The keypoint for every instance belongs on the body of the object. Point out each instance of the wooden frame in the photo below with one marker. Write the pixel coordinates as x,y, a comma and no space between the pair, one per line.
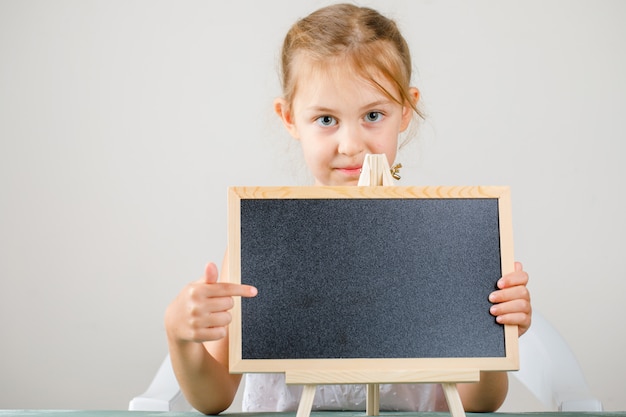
369,370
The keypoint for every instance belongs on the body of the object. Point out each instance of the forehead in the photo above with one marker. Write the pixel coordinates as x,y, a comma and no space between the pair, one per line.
339,74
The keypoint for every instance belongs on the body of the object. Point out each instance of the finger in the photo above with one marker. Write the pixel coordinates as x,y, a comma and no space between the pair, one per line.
511,318
514,319
220,319
517,278
206,325
522,321
210,273
228,289
513,305
218,304
225,289
210,319
509,294
207,334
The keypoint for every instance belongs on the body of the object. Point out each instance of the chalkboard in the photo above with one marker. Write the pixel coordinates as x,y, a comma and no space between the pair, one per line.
379,276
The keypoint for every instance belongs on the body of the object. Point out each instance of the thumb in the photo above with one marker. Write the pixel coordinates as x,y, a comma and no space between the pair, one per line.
210,273
518,266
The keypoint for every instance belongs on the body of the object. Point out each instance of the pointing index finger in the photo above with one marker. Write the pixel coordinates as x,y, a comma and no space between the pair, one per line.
228,289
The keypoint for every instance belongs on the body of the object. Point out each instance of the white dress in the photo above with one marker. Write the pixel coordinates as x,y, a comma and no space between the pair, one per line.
268,392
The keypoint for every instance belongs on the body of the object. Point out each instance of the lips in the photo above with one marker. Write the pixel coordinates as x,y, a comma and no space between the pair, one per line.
351,171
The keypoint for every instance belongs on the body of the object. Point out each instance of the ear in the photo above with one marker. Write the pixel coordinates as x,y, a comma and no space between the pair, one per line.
407,109
283,110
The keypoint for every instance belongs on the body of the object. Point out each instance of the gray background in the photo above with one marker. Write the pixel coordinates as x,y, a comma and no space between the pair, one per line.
123,122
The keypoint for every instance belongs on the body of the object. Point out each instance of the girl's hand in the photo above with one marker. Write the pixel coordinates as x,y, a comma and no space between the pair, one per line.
200,313
512,300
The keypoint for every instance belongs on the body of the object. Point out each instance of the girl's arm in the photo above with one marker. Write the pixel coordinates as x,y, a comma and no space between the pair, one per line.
196,324
202,373
511,306
486,395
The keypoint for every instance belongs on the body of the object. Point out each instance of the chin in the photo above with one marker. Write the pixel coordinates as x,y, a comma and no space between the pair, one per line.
351,183
339,181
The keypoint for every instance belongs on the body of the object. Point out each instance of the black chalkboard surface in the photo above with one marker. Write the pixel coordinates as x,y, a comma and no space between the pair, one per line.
381,274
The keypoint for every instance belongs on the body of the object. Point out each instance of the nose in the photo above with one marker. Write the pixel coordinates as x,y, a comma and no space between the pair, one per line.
350,141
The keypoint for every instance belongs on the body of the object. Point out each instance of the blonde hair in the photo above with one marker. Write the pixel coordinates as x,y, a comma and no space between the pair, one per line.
359,38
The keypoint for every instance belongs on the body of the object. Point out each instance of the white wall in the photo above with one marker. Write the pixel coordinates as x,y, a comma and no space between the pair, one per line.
123,122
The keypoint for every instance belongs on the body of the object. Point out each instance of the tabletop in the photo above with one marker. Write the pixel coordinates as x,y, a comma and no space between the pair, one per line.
125,413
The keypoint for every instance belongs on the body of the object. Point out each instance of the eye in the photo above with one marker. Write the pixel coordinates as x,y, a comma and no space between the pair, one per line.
373,116
326,121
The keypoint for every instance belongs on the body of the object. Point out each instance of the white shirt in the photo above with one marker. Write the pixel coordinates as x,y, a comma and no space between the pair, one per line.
269,392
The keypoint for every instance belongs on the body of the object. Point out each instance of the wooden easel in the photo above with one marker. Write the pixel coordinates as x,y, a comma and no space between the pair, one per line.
376,172
448,378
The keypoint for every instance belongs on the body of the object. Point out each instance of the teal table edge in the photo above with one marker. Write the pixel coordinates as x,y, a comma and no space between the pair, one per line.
126,413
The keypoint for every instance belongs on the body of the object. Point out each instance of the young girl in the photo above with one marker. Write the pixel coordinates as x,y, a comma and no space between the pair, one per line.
345,72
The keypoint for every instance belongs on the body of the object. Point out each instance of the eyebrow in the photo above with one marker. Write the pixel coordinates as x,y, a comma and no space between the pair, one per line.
323,109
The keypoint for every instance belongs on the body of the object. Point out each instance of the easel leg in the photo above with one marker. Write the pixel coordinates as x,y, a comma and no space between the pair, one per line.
306,401
454,400
372,405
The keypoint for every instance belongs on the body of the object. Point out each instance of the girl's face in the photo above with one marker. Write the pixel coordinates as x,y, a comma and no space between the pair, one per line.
338,119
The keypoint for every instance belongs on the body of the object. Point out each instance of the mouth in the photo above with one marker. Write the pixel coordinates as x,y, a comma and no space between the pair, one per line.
350,171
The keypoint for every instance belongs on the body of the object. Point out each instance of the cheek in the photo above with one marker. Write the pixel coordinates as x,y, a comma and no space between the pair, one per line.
388,146
391,155
314,153
316,145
